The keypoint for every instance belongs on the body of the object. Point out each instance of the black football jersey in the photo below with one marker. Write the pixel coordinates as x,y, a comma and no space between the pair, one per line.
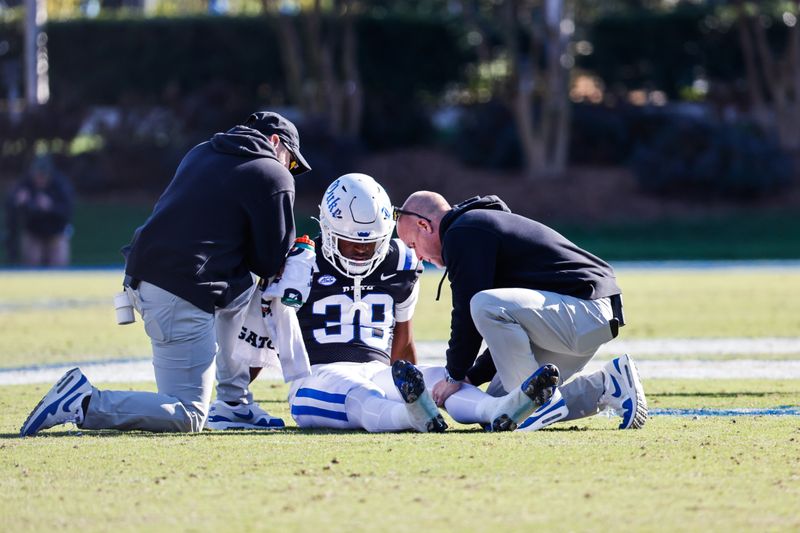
336,328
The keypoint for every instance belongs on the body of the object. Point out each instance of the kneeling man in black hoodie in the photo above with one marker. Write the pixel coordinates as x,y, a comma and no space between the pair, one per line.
533,296
226,215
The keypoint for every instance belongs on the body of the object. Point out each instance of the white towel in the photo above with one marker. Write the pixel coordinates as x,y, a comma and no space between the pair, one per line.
293,284
285,328
271,338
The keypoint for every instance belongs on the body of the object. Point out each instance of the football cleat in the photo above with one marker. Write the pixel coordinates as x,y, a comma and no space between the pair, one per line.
624,393
534,392
61,404
410,383
251,416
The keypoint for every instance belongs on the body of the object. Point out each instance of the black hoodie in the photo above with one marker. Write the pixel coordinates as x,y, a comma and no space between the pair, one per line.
227,212
485,246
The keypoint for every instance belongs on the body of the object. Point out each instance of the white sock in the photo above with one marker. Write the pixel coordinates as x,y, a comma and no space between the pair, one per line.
470,405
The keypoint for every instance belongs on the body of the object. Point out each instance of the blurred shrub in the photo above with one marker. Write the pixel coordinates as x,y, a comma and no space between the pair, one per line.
208,73
487,137
109,61
329,156
405,63
599,135
672,46
705,160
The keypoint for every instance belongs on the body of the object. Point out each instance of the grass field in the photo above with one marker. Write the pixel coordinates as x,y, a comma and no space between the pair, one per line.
713,474
678,473
68,316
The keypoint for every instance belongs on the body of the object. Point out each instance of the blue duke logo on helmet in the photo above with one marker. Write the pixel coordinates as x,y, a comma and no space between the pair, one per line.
332,200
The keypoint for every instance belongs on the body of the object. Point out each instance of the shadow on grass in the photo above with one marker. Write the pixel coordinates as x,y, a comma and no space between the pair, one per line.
294,431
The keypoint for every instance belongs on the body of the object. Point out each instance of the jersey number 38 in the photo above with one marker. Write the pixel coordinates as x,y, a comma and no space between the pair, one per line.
345,321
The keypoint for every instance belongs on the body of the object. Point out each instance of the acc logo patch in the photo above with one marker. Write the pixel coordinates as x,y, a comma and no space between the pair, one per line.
326,280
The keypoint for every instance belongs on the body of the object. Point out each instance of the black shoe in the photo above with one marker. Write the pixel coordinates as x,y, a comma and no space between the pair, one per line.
408,380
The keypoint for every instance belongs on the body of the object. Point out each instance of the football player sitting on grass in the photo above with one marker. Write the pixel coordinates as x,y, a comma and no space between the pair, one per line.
358,312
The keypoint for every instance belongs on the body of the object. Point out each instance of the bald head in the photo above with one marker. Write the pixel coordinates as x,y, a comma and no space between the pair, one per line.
418,225
427,203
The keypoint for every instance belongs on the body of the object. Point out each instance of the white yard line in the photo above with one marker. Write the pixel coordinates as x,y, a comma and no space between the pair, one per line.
704,347
432,353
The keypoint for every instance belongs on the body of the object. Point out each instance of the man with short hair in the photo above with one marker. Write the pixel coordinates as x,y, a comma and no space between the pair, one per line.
227,213
533,296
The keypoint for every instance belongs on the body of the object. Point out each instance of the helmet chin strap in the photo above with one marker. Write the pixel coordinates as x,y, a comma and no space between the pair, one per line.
358,305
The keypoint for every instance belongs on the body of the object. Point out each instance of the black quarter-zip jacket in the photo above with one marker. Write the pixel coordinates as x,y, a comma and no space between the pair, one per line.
485,246
227,212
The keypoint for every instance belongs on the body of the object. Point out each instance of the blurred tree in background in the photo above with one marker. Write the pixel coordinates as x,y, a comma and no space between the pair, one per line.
537,84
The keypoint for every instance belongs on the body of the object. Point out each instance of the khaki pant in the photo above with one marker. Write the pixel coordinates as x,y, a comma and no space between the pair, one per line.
45,251
525,329
188,345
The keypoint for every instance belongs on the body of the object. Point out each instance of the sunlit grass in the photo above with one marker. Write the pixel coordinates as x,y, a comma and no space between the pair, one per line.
676,474
50,317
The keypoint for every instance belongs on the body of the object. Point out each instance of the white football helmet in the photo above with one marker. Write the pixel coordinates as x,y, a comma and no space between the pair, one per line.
355,208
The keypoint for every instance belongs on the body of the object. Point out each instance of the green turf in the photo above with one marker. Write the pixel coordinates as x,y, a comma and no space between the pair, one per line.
48,317
739,234
711,474
103,227
674,304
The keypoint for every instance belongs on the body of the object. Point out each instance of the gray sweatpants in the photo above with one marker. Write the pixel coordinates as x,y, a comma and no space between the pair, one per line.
525,329
187,342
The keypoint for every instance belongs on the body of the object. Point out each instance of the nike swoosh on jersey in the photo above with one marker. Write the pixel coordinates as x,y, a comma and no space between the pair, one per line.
384,277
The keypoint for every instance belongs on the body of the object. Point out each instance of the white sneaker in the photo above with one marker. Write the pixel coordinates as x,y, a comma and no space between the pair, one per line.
242,416
624,393
549,413
518,404
61,404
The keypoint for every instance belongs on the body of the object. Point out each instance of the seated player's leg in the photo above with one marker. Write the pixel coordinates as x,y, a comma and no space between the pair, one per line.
470,405
343,396
410,383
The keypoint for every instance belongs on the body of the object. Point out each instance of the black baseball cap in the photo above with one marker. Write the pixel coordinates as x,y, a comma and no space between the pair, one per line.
270,123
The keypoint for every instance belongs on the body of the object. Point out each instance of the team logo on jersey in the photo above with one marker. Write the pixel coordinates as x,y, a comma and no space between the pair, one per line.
326,280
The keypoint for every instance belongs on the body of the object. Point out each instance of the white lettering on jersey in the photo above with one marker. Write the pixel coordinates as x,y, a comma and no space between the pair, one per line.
373,321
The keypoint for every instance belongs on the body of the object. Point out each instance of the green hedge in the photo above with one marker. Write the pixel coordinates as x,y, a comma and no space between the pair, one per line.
105,61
